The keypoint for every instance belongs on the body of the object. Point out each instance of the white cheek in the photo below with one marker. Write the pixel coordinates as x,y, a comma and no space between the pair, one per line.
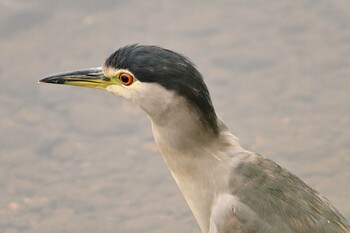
120,91
135,92
152,97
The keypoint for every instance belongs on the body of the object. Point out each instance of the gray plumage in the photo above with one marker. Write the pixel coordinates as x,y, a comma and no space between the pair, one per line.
281,201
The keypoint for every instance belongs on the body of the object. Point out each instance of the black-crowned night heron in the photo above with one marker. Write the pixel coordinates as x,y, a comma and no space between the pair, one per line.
229,189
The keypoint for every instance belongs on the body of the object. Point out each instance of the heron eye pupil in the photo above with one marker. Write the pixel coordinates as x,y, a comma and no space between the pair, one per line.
125,79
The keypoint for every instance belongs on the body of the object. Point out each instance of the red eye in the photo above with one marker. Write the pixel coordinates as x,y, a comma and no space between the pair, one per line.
126,79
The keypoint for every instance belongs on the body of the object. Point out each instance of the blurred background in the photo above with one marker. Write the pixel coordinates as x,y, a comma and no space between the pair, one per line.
78,160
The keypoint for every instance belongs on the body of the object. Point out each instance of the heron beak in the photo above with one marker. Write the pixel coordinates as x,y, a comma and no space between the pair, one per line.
92,78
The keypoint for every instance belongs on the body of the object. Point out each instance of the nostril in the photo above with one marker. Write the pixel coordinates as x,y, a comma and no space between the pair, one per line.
104,78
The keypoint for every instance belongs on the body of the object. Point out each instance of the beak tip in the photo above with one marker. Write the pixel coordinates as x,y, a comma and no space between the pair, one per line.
54,80
41,80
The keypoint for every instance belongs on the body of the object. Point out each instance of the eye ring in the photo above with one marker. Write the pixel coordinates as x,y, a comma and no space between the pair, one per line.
126,79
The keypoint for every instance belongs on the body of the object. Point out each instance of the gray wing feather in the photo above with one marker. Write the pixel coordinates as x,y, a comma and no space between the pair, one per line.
282,200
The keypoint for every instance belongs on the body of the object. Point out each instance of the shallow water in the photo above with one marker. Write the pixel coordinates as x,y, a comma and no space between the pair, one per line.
78,160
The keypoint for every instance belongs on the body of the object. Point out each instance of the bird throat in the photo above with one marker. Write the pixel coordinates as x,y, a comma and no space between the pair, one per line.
187,151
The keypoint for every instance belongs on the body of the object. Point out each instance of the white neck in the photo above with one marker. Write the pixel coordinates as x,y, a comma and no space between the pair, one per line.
195,158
